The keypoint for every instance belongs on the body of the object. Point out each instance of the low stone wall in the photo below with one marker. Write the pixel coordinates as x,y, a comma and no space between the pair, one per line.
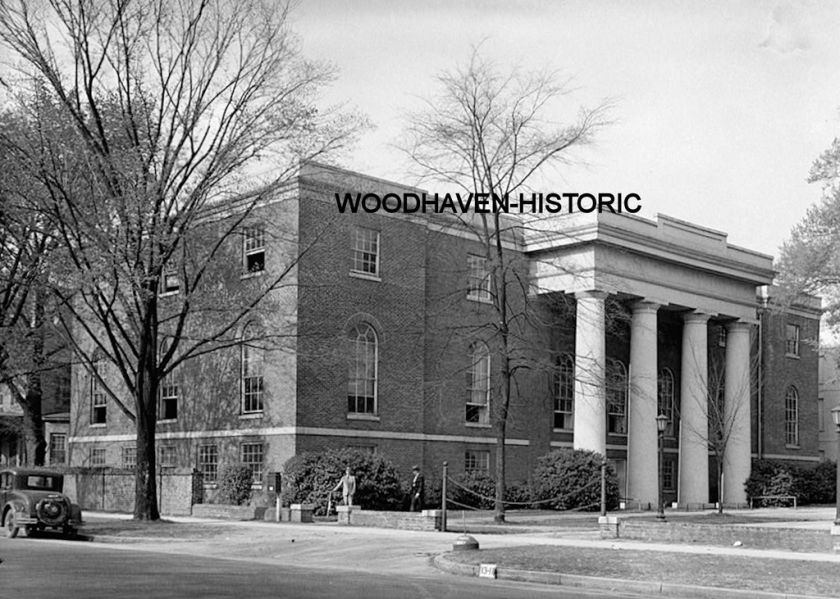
110,490
789,539
425,520
228,512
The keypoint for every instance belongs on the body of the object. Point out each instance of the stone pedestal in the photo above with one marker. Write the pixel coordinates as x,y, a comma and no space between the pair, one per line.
344,512
302,512
608,526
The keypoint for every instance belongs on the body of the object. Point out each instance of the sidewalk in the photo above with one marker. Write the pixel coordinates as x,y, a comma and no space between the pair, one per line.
567,545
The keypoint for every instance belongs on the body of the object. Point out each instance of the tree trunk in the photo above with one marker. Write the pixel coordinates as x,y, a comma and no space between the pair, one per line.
498,505
146,389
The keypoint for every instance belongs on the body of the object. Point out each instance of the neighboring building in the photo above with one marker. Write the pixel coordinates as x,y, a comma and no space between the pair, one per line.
55,386
385,317
829,398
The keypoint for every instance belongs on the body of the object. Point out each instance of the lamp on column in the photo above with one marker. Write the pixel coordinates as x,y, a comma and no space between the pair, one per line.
835,416
661,425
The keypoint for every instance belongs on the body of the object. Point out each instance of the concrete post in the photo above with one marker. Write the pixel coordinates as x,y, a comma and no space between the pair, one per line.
590,372
642,476
694,416
736,409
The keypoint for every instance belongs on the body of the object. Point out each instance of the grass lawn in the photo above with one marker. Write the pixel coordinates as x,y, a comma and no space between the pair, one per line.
159,529
747,573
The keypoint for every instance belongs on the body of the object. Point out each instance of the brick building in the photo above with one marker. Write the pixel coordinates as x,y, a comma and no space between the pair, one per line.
381,343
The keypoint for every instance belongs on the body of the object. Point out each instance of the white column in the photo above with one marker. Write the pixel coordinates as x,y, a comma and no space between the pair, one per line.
736,412
694,417
641,432
590,372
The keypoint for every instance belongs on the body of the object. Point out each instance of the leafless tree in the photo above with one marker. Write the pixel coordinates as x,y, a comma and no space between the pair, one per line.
486,132
156,129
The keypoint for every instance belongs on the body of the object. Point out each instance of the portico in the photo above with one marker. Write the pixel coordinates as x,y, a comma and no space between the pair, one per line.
666,266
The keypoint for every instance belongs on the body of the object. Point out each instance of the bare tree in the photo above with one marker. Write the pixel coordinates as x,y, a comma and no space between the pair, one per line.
27,352
487,133
722,421
156,129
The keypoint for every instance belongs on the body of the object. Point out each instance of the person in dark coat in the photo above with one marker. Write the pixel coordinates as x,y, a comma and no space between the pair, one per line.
417,490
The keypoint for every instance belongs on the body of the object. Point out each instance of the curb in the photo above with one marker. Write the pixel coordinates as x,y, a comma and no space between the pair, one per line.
442,562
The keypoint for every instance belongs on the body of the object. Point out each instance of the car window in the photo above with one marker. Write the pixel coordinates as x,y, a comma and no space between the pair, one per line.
5,479
41,482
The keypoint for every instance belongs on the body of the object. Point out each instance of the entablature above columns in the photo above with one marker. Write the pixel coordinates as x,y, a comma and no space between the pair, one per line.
627,274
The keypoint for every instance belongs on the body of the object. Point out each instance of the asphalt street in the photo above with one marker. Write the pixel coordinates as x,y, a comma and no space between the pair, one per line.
45,568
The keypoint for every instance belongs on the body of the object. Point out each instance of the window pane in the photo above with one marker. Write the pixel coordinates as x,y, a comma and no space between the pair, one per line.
362,370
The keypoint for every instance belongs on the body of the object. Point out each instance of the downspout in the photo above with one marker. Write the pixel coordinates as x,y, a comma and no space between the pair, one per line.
763,295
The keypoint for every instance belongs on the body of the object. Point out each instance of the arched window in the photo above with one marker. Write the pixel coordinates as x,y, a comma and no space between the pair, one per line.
98,398
169,391
252,359
478,385
564,393
665,399
616,397
792,416
363,370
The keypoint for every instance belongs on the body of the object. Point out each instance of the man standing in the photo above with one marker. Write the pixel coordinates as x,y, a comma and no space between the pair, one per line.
347,483
416,490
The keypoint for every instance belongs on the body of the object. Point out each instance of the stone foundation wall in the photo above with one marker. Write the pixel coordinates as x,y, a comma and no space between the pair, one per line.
789,539
425,520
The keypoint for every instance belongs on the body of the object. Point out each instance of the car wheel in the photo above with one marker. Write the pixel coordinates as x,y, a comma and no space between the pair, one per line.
10,526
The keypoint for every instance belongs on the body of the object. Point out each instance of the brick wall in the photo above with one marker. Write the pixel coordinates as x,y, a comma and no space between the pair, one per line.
789,539
110,491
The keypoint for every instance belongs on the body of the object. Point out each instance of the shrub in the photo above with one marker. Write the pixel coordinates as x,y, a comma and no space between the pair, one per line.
472,490
235,484
309,478
808,485
567,479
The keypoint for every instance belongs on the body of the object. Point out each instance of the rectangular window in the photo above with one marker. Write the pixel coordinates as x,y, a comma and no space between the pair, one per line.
129,456
208,462
478,279
97,456
820,414
252,379
366,449
167,457
58,448
254,249
171,282
564,394
98,400
168,409
792,417
252,456
476,462
792,340
668,470
478,386
365,251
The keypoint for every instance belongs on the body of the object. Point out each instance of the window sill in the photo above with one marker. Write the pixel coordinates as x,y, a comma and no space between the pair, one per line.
480,300
251,415
251,275
793,356
616,434
211,485
361,416
792,446
167,421
169,293
366,276
99,425
562,430
478,425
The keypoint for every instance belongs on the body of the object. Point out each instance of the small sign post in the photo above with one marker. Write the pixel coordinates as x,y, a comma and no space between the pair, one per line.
487,571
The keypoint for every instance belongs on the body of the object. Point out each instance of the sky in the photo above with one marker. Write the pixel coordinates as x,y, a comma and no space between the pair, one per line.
719,108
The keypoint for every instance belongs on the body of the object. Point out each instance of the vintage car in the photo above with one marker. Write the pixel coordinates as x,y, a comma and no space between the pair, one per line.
32,500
